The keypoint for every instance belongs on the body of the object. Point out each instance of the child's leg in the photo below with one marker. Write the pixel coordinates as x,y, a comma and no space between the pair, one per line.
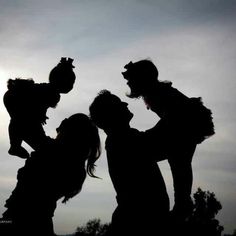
14,131
180,161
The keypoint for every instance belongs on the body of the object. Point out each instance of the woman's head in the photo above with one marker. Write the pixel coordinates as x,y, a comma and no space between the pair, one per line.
62,77
80,134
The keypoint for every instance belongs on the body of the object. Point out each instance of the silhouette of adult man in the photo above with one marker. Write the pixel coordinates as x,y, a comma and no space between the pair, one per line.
185,122
142,200
58,170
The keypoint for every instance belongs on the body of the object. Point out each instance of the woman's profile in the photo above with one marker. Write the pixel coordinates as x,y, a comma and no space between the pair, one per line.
55,172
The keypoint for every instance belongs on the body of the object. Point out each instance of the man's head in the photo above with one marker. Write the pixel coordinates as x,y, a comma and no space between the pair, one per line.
140,76
62,77
108,112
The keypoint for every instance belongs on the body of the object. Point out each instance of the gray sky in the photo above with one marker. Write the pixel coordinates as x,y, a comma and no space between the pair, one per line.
191,42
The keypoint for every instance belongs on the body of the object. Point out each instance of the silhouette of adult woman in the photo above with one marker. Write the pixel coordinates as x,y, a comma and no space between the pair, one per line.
56,171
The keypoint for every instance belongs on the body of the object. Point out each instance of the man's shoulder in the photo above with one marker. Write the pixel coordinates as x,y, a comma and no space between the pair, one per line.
124,137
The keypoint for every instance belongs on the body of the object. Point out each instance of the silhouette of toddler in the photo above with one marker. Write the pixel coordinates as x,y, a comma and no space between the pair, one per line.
27,103
184,123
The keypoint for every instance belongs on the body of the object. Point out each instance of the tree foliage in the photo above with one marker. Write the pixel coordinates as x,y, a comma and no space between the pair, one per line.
93,227
202,220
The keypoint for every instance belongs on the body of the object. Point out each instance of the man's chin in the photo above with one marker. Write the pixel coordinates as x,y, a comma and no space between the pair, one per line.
131,115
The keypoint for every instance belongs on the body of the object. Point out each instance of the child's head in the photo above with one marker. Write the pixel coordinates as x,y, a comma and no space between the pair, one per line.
62,77
109,112
79,135
140,75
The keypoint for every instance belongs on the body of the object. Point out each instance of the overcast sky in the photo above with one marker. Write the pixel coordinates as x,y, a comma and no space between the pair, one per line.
193,44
